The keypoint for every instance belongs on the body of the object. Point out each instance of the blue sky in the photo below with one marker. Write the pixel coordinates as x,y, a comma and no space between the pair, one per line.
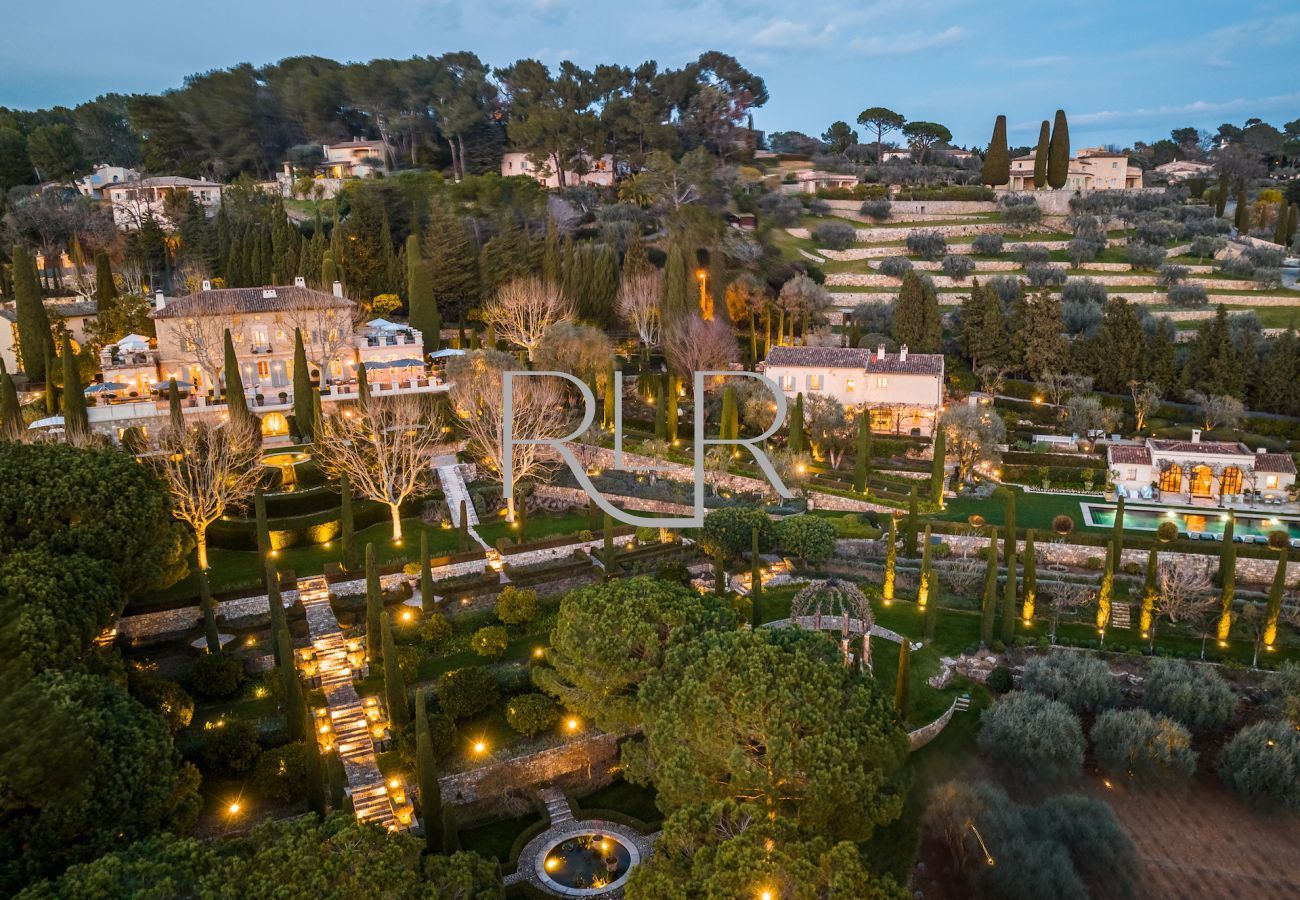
1122,70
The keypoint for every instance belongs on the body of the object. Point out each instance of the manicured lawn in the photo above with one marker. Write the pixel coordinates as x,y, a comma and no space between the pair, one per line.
1032,511
627,798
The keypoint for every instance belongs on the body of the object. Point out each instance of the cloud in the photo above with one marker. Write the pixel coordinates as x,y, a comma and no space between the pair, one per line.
907,43
1194,108
788,35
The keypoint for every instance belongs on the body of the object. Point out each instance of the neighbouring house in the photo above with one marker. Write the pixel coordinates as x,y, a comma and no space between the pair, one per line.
190,348
1091,169
74,315
1175,471
896,154
810,182
903,391
103,176
134,201
598,172
1183,169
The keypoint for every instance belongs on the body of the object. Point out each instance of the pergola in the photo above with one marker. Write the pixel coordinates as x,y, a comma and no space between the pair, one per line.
825,605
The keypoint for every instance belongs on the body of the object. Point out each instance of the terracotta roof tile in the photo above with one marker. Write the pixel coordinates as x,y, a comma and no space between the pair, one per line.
856,358
234,301
1129,454
1275,462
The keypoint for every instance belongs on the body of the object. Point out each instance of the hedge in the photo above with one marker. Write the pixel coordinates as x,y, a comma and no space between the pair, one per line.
948,192
313,528
1054,460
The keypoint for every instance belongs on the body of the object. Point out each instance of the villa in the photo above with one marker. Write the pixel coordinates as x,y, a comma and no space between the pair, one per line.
1183,169
190,348
1194,471
599,172
73,314
134,201
903,391
1091,169
101,177
810,182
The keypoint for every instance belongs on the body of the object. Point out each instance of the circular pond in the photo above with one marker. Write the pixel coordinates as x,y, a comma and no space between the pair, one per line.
586,864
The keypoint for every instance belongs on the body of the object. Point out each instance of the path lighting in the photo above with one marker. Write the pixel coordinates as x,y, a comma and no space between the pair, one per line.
765,895
234,808
480,747
572,724
988,857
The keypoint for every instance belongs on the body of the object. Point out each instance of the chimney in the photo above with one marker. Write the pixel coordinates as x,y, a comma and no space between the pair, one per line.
1196,435
338,289
880,352
207,285
902,353
299,281
1260,451
159,301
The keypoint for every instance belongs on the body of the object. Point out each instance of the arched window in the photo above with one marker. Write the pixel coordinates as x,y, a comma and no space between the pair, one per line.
274,424
1202,481
1230,483
1171,479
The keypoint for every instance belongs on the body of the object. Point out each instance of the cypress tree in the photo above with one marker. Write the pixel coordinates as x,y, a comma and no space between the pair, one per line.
1058,152
1292,223
462,530
347,532
927,572
421,302
678,286
891,562
1117,532
374,608
363,386
426,776
426,573
901,681
209,609
35,341
862,459
275,603
932,607
450,831
1150,591
593,515
317,417
608,552
1275,592
1280,227
295,707
909,536
304,412
719,573
1221,196
997,161
1227,578
1009,559
11,415
328,272
937,468
609,396
105,287
660,386
236,402
674,384
1106,588
1040,155
51,389
315,764
176,415
730,423
989,603
394,685
755,581
1241,218
263,532
1029,586
76,421
796,441
917,321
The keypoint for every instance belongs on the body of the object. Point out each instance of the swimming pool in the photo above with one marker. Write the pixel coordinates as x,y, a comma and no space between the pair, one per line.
1253,525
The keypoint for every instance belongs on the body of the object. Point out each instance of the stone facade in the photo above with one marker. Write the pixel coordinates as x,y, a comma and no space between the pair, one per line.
578,497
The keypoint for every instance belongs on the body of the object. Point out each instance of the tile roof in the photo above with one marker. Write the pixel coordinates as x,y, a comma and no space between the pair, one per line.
230,301
1129,454
1275,462
856,358
915,364
1212,448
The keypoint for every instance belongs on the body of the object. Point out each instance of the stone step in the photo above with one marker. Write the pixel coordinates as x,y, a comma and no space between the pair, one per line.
1121,616
963,703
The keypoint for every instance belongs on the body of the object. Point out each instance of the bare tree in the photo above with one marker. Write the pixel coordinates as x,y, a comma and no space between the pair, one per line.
1065,598
202,335
1146,397
694,345
210,468
1186,591
326,331
963,574
640,298
385,447
1060,384
537,412
522,310
992,378
1217,410
973,434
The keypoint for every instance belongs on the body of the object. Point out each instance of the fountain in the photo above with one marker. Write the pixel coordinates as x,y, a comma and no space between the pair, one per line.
284,463
585,864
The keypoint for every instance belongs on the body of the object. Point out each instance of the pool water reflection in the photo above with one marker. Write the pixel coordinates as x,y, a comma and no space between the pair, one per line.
1248,525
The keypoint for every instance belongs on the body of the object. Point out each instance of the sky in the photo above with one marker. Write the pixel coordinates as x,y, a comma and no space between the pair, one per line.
1122,70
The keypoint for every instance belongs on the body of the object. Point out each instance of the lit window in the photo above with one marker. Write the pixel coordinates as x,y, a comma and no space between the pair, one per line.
263,370
336,367
787,382
848,385
882,382
1270,481
814,382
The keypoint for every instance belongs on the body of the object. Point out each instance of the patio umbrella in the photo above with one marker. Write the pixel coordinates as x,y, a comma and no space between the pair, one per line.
443,354
107,387
47,422
161,386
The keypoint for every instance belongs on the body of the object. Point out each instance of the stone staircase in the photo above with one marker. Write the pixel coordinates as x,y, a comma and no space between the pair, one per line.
1121,616
454,490
557,806
348,720
962,703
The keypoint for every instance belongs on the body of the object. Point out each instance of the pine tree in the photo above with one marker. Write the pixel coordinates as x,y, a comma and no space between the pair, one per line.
1150,591
1058,152
303,413
1228,579
997,161
1009,560
347,531
1029,583
209,609
453,262
937,468
426,573
11,416
891,563
394,685
374,608
971,336
1105,590
35,341
989,603
755,581
1275,593
259,516
994,338
862,459
426,777
902,680
917,320
927,572
76,421
1041,152
797,440
909,536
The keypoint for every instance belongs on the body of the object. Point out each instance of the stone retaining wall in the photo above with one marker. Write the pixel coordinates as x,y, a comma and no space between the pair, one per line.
926,733
900,208
578,496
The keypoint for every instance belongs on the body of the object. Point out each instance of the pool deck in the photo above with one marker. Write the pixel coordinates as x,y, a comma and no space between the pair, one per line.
1283,515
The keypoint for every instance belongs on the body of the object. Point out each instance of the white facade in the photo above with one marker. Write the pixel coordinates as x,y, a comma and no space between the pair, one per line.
1208,471
600,172
134,201
102,177
903,390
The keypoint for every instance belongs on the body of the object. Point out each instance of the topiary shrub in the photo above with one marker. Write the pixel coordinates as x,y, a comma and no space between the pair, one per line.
531,713
1000,680
1194,695
230,749
435,628
834,235
1132,568
1037,738
1062,524
958,266
1135,743
810,538
894,266
1262,764
1167,532
1093,563
281,773
490,641
987,244
1278,539
466,692
728,530
216,676
1083,683
516,606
